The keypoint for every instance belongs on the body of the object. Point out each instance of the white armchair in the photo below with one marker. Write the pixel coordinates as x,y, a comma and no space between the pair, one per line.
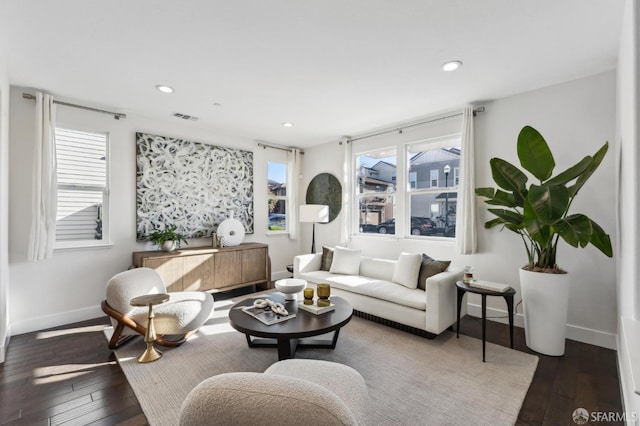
174,320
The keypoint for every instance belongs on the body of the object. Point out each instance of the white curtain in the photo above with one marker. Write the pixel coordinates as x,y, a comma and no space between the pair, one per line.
347,182
466,234
293,179
45,184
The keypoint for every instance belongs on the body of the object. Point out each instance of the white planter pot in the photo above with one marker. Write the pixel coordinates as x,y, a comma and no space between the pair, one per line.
168,246
545,301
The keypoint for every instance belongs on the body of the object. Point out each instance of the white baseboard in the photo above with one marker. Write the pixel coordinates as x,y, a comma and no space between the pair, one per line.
54,320
574,332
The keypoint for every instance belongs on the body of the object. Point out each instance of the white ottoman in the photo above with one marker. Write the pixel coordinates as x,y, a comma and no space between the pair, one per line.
289,393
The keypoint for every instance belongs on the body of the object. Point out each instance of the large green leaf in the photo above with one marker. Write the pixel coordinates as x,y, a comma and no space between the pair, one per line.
502,198
597,159
485,192
494,222
601,239
534,153
571,173
508,216
549,202
575,229
509,178
540,232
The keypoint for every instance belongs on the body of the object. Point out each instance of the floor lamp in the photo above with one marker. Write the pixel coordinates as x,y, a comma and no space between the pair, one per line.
314,213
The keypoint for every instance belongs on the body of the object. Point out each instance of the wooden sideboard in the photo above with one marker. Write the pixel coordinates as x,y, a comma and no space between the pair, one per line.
210,269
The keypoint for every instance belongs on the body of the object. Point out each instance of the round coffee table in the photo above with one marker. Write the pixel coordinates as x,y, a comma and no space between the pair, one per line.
286,335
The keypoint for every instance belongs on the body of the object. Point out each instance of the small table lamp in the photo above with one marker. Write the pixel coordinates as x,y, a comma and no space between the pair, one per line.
314,213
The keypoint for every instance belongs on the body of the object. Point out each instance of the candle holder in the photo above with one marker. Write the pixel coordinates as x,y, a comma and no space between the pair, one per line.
324,291
308,296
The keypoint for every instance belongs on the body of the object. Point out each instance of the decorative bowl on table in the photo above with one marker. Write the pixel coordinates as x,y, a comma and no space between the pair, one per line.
290,287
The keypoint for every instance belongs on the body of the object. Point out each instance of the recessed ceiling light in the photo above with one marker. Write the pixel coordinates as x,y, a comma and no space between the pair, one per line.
164,89
451,65
287,124
217,104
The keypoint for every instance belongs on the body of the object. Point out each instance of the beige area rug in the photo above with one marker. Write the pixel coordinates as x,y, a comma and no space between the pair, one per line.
412,380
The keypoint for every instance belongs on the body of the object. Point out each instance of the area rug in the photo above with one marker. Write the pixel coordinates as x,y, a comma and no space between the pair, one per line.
412,380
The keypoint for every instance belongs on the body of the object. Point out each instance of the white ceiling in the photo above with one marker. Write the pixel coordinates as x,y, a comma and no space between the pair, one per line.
331,67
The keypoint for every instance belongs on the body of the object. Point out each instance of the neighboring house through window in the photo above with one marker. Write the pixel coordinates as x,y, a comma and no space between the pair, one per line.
277,196
407,178
83,188
440,158
430,181
375,191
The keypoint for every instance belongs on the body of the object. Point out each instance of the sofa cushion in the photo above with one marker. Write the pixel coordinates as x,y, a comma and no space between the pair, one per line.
345,261
381,269
429,268
380,289
327,258
407,269
372,287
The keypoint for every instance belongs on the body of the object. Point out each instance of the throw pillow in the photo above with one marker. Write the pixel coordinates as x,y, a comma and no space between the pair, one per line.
345,261
407,269
429,268
327,258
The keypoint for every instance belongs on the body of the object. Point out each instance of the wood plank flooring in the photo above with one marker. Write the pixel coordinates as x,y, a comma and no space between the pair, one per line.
68,376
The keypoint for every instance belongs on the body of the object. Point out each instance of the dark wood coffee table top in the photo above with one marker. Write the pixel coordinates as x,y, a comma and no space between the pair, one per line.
287,334
305,324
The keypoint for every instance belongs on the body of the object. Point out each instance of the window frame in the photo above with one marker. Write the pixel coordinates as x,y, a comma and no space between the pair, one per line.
404,191
105,190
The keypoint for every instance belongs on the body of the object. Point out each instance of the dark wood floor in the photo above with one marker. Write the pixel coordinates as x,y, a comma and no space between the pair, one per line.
67,375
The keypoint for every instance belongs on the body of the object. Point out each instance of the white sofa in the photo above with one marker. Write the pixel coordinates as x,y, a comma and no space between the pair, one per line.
373,292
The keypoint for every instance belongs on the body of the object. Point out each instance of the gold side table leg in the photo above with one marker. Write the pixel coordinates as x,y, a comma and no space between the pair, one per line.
150,354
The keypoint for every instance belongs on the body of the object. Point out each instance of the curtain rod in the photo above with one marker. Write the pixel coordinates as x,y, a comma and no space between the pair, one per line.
401,128
265,146
116,115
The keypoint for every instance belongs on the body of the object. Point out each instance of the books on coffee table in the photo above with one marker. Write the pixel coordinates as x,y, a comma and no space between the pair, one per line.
266,316
315,309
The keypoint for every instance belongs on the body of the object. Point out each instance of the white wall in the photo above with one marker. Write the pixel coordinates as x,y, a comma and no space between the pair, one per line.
4,208
628,135
576,118
70,286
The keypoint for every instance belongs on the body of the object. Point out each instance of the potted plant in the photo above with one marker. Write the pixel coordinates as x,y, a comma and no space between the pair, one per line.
539,214
167,239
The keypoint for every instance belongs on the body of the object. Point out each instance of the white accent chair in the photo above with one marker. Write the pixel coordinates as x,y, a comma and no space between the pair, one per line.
174,320
292,392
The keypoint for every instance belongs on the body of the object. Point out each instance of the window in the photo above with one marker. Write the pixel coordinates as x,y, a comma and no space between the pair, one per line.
375,191
413,180
83,188
437,158
277,196
434,178
416,196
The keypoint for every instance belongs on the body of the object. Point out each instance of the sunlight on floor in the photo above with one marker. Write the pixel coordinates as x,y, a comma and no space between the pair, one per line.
58,373
58,333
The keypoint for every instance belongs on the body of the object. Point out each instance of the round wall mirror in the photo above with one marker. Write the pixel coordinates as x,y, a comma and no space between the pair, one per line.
326,189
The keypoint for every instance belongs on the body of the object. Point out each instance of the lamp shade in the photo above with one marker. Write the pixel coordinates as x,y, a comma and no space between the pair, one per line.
316,213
